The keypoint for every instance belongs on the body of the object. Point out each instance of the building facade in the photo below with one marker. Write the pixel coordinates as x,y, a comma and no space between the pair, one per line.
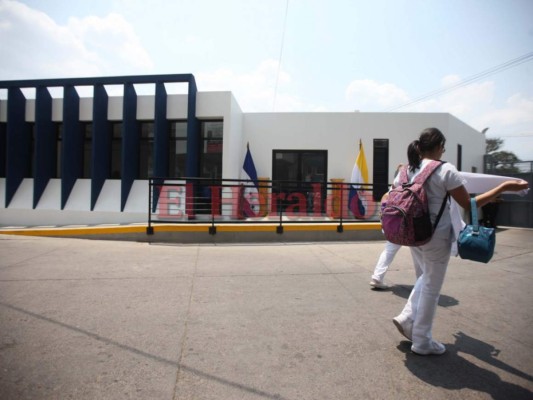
67,157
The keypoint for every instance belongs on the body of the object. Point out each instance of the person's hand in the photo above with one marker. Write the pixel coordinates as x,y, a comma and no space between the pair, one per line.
515,186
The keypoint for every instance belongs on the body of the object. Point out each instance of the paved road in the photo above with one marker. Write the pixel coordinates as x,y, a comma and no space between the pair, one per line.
89,319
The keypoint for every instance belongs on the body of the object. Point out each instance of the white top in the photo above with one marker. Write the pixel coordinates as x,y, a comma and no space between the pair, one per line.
445,178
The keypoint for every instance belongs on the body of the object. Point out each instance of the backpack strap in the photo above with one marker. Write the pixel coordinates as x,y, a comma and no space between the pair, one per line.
423,176
441,211
404,178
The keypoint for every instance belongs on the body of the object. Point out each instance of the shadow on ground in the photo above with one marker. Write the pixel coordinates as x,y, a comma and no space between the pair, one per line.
452,371
403,291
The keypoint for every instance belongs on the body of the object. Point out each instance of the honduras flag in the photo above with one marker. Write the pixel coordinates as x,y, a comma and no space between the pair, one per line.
251,191
359,176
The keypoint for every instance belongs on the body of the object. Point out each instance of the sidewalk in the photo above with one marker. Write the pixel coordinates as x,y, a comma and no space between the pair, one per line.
92,319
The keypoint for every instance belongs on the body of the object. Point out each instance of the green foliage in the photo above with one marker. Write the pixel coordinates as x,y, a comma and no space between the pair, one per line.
500,160
493,145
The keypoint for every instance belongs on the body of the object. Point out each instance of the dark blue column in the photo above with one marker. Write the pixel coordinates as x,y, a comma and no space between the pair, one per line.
71,144
101,157
193,133
130,143
160,132
3,149
18,142
161,135
45,152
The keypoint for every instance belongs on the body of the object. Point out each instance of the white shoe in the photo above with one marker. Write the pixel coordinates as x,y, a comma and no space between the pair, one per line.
378,284
432,348
404,326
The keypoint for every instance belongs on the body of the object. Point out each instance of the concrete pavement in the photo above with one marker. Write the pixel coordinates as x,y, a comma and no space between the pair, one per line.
95,319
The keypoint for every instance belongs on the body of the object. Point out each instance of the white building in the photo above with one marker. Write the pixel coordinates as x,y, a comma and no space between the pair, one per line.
67,159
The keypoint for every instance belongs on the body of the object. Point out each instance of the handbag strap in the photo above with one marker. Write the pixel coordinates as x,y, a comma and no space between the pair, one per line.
473,214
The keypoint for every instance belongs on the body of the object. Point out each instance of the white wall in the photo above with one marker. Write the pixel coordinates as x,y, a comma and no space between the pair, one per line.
472,142
339,134
77,210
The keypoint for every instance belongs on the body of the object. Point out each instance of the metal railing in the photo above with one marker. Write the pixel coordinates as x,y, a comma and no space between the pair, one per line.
513,210
507,168
197,200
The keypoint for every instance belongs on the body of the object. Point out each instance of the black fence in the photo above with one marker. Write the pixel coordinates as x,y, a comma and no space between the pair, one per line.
513,210
193,201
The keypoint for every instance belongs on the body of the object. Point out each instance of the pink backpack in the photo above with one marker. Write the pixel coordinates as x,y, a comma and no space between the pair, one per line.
405,217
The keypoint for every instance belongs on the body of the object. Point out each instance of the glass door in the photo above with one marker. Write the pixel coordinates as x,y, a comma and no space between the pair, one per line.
299,180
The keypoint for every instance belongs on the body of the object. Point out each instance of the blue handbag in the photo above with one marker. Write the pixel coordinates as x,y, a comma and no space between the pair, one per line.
476,242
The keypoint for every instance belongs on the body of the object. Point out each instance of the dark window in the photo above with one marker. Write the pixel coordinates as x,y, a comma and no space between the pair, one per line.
87,149
295,171
211,137
380,168
146,157
177,149
211,150
116,151
459,157
300,165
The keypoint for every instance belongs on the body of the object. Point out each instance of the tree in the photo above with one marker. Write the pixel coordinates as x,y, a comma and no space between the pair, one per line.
500,160
493,145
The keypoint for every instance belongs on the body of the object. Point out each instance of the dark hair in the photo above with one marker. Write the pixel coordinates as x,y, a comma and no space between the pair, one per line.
412,155
429,140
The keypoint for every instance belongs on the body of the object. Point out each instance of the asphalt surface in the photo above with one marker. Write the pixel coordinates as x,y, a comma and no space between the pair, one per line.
92,319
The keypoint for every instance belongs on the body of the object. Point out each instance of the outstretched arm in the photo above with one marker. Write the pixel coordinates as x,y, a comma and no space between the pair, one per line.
461,196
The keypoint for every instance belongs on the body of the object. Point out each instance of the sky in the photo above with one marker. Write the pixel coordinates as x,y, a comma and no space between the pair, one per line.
298,55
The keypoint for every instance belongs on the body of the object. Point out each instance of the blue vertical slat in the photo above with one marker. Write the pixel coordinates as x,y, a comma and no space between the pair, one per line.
45,143
160,137
101,156
3,149
193,133
18,135
18,142
130,143
71,144
160,131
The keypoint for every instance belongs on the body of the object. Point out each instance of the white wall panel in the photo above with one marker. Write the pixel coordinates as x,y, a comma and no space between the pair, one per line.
80,196
145,107
86,108
51,197
177,107
23,198
109,198
115,108
138,199
57,110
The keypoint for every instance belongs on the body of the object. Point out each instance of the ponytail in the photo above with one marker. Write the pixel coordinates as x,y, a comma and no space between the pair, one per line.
413,155
429,140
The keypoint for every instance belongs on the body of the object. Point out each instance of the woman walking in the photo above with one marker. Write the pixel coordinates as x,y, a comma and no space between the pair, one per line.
416,319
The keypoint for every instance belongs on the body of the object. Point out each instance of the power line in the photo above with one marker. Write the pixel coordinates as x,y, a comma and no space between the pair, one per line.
280,54
491,71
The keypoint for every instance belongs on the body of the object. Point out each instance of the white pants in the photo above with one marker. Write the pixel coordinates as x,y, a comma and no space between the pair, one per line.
385,260
421,306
